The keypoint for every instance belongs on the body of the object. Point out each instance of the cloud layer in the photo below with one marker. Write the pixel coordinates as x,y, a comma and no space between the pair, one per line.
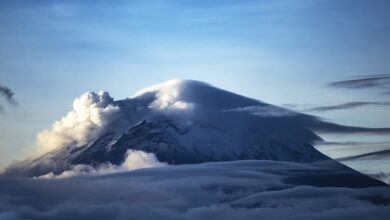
230,190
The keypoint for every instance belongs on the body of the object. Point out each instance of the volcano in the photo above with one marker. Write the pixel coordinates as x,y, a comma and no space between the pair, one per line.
180,122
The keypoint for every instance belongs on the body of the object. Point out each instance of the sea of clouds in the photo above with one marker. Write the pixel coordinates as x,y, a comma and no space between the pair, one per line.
224,190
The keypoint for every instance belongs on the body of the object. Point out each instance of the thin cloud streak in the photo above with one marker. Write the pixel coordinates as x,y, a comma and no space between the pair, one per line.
376,154
381,81
345,106
352,143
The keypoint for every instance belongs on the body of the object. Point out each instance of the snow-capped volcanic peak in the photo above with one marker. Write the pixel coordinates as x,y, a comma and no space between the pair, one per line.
180,121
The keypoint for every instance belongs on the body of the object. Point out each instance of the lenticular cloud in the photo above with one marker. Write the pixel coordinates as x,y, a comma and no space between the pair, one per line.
91,113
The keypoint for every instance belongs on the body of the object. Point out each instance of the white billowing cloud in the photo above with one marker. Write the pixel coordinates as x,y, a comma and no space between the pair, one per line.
91,113
167,95
140,159
134,160
264,111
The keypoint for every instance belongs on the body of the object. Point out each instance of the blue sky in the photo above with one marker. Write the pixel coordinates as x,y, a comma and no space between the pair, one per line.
281,52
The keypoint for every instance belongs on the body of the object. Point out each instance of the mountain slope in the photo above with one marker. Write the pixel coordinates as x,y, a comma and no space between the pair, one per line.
181,122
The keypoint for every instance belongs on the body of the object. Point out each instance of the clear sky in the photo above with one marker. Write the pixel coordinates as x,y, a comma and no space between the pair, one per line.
281,52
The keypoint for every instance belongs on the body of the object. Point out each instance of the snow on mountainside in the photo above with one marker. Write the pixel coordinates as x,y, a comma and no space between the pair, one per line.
181,122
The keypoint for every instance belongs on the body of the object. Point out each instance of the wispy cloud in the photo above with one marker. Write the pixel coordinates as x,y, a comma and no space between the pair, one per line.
352,149
375,155
8,94
332,128
352,143
365,82
347,105
264,111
